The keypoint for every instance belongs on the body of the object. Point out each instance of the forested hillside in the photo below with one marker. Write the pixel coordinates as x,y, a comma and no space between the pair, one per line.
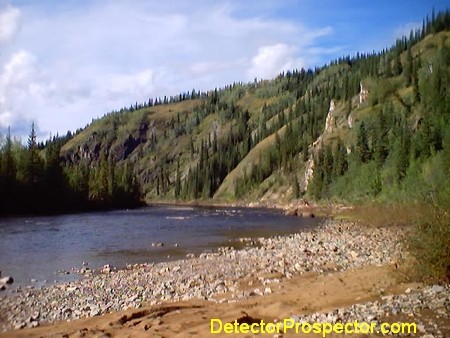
364,127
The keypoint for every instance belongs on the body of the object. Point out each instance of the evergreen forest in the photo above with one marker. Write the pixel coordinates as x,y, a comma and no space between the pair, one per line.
362,128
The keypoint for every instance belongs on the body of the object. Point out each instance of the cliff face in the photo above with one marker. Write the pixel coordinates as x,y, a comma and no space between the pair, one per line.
335,126
330,121
117,144
363,93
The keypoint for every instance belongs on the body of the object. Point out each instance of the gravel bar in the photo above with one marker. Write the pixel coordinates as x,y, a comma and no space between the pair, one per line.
333,246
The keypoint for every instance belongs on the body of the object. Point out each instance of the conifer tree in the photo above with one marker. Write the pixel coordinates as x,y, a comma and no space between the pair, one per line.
363,144
340,163
295,187
409,67
8,163
178,181
33,163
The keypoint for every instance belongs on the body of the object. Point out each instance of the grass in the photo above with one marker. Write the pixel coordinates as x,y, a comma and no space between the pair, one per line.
129,121
379,214
245,165
430,245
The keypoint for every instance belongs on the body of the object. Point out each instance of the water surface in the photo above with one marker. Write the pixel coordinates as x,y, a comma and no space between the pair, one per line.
38,247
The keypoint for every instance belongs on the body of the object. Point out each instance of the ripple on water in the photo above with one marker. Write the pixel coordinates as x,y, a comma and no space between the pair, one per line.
36,248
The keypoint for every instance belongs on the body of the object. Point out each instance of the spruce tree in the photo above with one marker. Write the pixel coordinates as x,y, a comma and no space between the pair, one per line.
295,187
363,144
33,163
178,180
409,67
8,163
340,163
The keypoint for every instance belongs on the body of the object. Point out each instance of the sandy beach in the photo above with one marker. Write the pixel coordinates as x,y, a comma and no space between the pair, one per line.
339,272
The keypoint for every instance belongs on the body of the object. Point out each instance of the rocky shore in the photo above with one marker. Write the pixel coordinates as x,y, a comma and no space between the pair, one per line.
406,307
227,275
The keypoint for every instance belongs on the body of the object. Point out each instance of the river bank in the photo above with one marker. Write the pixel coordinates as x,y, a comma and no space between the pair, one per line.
153,234
236,277
298,207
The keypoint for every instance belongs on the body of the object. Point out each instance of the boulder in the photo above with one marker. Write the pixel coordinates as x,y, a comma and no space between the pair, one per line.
6,280
291,212
106,269
307,214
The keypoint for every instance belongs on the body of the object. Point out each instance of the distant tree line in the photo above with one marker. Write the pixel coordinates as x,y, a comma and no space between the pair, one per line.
33,179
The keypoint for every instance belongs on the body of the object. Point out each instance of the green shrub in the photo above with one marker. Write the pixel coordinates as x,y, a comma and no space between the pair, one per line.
429,244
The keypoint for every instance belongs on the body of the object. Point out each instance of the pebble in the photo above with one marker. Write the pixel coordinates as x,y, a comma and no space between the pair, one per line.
211,274
429,297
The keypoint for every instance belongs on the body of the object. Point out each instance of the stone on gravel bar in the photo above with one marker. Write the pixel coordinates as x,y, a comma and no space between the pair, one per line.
334,246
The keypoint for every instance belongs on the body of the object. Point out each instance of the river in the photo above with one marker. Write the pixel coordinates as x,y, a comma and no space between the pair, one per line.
36,248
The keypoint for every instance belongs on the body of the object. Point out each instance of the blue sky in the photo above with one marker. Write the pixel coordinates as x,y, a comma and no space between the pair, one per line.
63,63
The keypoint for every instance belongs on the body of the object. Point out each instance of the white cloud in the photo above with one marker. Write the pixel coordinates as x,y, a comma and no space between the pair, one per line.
406,28
139,83
205,67
71,63
9,23
271,60
20,81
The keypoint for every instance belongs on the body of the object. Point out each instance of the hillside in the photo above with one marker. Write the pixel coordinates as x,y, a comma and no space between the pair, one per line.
336,132
366,135
363,128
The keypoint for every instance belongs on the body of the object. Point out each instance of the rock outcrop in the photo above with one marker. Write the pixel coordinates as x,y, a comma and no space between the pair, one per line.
117,149
330,122
363,93
330,125
350,121
309,171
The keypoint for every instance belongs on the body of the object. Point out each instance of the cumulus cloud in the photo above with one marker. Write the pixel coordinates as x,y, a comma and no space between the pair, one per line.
272,60
79,60
20,81
137,84
9,22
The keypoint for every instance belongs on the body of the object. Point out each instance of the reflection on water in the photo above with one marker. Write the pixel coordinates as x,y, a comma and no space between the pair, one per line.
36,248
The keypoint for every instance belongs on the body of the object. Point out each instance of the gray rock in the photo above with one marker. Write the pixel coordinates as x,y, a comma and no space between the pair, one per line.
6,280
19,326
94,312
437,288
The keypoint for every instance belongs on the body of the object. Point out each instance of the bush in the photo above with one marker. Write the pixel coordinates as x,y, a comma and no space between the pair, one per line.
361,183
428,234
429,244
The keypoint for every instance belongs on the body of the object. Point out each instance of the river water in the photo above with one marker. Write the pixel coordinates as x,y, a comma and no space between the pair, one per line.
38,247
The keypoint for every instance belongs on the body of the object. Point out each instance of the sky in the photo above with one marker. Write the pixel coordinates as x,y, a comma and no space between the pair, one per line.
63,63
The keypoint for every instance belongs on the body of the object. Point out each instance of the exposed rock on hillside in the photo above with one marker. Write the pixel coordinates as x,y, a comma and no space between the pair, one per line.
363,93
350,121
330,122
